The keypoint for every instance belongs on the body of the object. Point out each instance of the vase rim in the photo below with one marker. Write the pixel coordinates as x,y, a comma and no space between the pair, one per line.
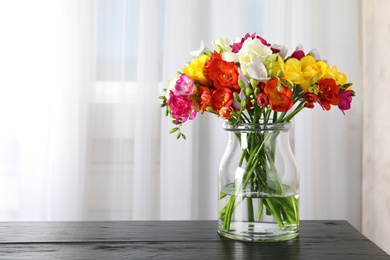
242,127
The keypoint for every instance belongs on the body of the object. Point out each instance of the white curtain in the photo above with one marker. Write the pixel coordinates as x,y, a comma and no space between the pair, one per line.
83,136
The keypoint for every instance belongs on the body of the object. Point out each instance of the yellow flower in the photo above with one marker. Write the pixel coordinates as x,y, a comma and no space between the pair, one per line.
274,64
323,69
327,72
195,69
292,72
339,77
309,71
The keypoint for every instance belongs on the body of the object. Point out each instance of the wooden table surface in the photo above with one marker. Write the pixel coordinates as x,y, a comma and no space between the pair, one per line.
175,240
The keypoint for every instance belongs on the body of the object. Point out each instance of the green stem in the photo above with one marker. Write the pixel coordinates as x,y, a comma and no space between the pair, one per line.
260,213
250,209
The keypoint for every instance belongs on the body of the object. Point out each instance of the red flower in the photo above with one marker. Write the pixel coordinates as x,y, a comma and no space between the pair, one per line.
262,100
205,98
329,91
279,99
223,74
298,54
310,99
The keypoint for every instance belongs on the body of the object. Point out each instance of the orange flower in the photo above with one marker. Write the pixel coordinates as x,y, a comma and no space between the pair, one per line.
222,97
223,74
205,98
225,112
280,97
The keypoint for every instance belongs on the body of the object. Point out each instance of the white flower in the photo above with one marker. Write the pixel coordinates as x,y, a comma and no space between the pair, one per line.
315,54
252,49
258,71
171,85
283,49
202,49
299,47
223,44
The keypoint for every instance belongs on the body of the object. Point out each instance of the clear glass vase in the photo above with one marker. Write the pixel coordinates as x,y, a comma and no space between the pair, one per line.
258,184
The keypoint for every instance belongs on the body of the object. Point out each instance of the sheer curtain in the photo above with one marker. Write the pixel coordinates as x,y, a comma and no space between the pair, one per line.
45,81
83,136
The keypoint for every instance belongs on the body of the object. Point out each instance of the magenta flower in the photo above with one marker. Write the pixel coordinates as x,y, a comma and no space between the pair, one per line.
298,54
184,86
345,100
181,107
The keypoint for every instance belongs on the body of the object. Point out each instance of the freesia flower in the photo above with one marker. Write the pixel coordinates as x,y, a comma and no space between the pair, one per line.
279,95
280,49
223,45
310,70
222,97
222,73
262,100
202,49
252,49
224,112
195,69
171,85
329,93
315,54
310,99
205,98
181,107
292,71
258,71
184,85
345,100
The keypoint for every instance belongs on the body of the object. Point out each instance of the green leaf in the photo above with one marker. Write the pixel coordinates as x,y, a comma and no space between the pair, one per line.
174,130
161,97
345,86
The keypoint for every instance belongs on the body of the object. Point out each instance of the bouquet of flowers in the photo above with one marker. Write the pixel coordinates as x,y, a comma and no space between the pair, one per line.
251,81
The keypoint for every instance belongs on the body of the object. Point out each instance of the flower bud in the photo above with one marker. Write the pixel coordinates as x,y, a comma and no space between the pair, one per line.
248,92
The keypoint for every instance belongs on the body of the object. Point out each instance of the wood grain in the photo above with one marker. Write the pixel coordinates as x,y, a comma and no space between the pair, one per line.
175,240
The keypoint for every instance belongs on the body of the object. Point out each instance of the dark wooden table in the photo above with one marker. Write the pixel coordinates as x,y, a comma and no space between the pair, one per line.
175,240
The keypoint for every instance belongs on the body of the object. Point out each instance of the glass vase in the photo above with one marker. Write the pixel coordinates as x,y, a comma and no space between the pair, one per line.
258,184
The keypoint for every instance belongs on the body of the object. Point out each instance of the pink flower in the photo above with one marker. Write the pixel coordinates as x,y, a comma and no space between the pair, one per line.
345,100
181,107
184,85
262,100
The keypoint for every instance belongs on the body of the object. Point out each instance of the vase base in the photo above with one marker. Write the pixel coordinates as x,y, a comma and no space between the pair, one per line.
259,232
